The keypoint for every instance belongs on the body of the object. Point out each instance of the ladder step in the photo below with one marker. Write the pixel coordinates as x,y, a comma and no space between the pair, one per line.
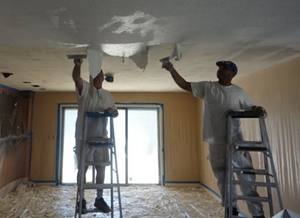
250,146
252,171
93,210
241,143
246,114
262,184
100,141
251,198
91,163
101,144
99,186
245,147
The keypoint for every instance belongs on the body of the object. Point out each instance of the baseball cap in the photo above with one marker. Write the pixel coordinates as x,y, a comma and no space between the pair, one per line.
229,64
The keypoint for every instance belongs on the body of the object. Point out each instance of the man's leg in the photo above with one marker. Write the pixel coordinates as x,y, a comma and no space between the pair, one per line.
77,152
99,201
217,157
242,159
101,156
100,179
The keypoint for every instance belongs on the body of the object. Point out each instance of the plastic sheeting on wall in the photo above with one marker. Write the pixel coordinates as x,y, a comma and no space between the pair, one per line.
277,90
14,113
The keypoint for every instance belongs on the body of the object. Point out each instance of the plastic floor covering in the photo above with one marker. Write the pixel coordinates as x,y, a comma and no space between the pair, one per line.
31,200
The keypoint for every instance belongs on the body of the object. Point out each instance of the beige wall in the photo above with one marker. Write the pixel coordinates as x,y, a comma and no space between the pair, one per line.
44,127
181,131
277,90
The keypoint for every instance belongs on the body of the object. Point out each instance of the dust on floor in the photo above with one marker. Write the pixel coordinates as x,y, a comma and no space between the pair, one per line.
31,200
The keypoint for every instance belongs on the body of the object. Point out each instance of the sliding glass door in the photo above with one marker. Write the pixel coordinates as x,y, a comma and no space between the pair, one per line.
138,132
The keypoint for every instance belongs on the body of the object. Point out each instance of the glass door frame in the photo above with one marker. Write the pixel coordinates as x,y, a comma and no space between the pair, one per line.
161,144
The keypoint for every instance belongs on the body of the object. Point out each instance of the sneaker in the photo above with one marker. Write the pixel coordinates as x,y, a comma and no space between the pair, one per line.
101,205
235,211
83,209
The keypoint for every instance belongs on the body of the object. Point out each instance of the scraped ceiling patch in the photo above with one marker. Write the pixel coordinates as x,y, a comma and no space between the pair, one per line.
123,50
56,18
137,22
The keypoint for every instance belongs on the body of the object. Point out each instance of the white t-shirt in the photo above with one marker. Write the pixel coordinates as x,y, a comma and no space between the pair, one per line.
100,101
218,101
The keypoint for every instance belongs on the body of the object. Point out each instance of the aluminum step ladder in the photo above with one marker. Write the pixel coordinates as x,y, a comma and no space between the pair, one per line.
268,172
110,144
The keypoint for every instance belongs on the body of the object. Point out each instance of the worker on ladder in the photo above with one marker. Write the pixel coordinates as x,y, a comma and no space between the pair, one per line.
219,98
92,97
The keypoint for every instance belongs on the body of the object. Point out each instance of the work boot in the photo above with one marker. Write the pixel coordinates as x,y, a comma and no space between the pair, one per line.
235,212
101,205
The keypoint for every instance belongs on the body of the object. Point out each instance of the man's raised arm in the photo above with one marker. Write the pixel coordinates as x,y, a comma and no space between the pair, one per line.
179,80
76,74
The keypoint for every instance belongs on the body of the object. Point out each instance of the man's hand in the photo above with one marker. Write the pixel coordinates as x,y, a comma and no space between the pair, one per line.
168,66
78,62
113,111
260,109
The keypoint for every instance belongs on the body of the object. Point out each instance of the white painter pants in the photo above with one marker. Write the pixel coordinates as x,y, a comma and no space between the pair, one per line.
240,159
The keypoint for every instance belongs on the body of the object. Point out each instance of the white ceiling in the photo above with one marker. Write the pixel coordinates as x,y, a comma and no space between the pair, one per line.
37,35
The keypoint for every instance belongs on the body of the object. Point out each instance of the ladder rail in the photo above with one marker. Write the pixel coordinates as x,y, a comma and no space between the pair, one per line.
229,170
80,179
117,174
262,146
269,191
111,169
266,139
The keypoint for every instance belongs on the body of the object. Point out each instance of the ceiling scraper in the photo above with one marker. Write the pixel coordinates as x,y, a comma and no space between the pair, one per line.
176,54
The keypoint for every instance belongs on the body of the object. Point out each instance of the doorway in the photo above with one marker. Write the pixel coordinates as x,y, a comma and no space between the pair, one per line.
139,144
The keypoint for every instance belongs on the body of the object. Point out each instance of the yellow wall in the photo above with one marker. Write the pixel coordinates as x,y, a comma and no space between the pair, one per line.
181,132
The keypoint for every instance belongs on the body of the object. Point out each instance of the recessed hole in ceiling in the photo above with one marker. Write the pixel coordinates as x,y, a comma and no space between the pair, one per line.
26,82
36,86
6,74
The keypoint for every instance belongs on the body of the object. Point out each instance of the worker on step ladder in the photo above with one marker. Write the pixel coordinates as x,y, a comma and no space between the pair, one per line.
92,97
219,98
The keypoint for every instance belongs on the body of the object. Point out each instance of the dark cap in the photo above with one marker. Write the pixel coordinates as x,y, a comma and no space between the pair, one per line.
228,64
